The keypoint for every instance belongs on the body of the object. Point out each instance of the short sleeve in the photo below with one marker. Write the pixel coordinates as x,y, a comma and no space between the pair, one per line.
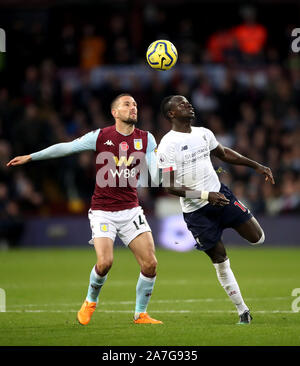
212,141
166,156
86,142
151,145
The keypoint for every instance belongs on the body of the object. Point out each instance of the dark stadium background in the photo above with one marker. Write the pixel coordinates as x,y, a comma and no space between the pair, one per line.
49,95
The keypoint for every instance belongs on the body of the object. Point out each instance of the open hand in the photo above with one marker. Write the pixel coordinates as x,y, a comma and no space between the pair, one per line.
19,160
217,198
264,170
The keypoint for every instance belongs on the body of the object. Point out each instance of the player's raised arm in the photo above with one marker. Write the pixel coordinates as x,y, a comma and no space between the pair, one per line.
232,157
83,143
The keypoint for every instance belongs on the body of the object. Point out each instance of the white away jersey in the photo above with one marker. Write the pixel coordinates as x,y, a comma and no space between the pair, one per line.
189,155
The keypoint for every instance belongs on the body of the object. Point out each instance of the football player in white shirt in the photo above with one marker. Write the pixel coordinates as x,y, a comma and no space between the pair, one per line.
208,205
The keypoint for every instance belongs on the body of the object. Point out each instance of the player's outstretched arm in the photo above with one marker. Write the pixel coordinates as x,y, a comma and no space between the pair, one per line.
83,143
19,160
232,157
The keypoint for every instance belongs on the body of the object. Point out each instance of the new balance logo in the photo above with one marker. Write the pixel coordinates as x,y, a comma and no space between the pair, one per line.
109,143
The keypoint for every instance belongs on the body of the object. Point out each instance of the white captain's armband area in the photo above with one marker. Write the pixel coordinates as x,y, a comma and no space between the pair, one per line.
197,194
204,195
192,194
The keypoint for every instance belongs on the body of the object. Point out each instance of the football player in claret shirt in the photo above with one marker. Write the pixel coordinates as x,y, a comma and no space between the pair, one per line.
121,152
208,205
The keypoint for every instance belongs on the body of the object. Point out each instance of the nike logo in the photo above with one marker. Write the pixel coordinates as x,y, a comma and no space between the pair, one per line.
162,61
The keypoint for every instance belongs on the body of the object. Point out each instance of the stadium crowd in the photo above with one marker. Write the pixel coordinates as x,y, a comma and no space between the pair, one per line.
249,100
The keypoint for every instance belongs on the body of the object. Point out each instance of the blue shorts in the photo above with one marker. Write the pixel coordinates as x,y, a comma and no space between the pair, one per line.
208,222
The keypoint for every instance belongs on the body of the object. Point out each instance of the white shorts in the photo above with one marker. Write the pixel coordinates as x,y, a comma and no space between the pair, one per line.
127,224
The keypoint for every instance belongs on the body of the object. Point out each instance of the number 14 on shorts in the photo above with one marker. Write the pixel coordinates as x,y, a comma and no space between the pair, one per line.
139,222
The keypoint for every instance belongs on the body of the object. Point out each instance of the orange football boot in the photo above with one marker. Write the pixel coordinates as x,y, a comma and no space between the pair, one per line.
144,318
85,313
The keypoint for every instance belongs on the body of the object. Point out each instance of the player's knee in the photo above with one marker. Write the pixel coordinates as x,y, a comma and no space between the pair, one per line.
260,239
149,267
104,266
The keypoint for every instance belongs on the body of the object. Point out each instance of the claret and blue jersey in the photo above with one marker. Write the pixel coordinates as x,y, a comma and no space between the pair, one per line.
122,161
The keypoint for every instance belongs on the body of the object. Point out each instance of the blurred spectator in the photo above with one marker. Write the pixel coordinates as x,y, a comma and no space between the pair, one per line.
31,86
84,176
38,42
119,50
240,45
229,97
251,37
215,124
185,42
28,198
11,223
291,120
68,47
290,199
31,133
222,47
204,98
92,48
156,25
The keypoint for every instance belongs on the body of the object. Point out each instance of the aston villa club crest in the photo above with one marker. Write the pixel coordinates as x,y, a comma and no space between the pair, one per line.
124,146
104,227
138,144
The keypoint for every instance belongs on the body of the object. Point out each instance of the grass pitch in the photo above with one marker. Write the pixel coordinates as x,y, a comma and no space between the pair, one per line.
45,289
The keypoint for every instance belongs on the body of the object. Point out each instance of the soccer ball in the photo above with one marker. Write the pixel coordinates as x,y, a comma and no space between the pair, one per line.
161,55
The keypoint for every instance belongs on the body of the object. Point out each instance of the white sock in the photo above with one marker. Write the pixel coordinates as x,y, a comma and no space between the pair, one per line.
144,290
95,285
228,282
